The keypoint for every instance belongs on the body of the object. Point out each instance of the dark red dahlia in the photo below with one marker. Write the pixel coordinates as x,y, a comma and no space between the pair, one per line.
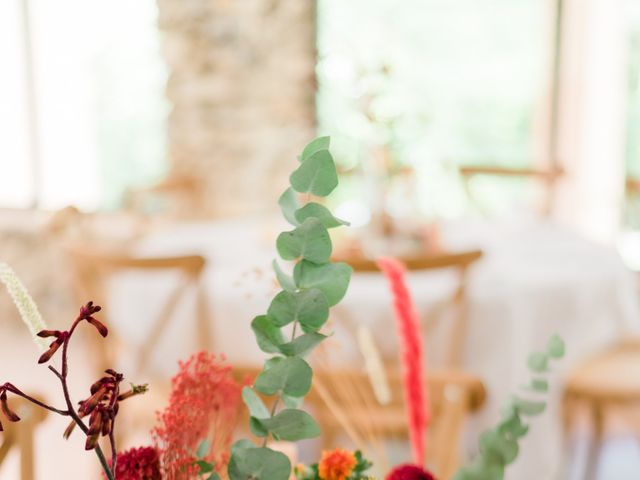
409,472
138,464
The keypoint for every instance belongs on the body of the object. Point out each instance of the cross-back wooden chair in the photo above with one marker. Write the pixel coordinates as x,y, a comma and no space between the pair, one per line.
20,436
344,402
460,262
93,269
548,177
604,386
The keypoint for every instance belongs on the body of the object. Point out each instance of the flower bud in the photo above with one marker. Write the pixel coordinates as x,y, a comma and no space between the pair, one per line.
10,414
92,402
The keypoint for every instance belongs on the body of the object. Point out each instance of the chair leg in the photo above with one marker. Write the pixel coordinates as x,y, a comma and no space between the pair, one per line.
453,413
593,460
25,444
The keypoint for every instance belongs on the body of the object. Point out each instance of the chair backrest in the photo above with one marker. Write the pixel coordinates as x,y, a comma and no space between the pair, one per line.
93,269
20,436
549,178
344,402
460,262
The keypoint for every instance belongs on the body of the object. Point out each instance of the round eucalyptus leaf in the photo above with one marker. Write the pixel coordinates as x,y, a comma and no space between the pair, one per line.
538,362
288,202
555,347
331,279
322,213
258,464
268,336
316,175
291,376
285,281
309,307
303,345
254,403
315,145
292,425
310,241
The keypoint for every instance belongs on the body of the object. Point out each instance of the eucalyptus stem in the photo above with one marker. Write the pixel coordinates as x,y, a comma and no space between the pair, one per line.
316,285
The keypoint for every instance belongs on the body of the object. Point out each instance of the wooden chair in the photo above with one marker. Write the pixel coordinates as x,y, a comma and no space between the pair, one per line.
606,384
344,402
549,177
93,269
20,436
461,262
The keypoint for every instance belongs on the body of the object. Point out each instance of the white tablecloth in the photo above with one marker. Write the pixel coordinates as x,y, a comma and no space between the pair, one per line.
534,280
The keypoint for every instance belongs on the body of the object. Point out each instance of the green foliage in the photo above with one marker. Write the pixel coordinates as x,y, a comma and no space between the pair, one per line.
359,471
302,308
499,446
206,469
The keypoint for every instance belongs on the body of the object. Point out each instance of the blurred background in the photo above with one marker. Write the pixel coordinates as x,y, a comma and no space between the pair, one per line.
493,145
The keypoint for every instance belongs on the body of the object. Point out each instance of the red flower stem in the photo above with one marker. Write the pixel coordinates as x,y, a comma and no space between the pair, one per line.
76,418
13,389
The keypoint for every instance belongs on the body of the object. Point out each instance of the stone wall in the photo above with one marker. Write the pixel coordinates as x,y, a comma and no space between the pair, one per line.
242,89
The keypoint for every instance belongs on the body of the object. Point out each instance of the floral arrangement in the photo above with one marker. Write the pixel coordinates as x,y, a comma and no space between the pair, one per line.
105,396
193,436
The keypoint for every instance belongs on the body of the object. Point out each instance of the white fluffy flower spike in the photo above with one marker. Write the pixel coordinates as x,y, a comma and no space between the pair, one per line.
25,304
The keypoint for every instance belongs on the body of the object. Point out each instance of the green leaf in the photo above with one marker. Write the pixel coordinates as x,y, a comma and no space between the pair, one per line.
513,427
254,403
529,407
538,385
257,428
331,279
309,307
316,175
292,425
315,145
555,347
538,362
494,444
203,449
258,464
292,376
302,345
285,281
322,213
310,241
205,467
268,336
214,476
292,402
241,444
288,202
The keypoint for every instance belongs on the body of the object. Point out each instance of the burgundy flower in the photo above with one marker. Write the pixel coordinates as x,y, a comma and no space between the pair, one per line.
138,464
409,472
10,414
54,346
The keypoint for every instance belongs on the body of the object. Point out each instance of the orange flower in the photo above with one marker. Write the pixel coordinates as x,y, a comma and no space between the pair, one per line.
336,464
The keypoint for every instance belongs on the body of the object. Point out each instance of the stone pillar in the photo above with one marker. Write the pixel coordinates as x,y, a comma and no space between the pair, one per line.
242,89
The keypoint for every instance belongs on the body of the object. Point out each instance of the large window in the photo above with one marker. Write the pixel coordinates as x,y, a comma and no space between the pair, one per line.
93,124
434,84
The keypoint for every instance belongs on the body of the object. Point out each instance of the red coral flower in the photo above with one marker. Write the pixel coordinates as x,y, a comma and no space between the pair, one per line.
203,405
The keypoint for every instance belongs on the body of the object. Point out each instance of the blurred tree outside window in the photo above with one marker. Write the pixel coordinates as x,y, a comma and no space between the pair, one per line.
434,84
630,238
99,82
